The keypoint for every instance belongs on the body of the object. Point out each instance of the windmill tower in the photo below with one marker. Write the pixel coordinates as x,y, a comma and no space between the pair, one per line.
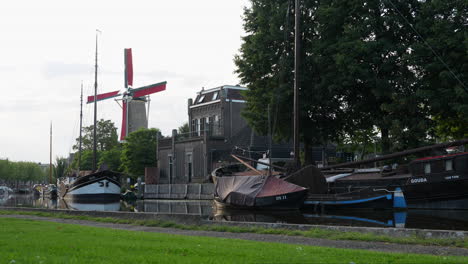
133,99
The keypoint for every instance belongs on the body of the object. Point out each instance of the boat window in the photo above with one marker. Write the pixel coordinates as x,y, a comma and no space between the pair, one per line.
449,165
427,168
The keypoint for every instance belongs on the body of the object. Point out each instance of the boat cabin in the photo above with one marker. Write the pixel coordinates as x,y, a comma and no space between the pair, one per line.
440,165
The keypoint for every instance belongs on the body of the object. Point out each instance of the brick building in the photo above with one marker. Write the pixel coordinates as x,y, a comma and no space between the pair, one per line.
216,128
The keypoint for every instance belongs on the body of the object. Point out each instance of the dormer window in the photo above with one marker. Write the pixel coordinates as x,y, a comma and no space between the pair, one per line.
215,96
202,97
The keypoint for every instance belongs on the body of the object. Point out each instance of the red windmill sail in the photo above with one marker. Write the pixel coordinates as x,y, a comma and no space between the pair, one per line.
129,93
128,68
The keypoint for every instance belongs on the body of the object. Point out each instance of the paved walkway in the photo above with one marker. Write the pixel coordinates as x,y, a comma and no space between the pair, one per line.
374,246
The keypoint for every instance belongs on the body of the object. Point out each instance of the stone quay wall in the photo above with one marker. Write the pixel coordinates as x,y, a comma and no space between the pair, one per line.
193,191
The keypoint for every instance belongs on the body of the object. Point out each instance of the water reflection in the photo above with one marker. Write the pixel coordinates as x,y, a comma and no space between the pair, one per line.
71,205
419,219
186,207
428,219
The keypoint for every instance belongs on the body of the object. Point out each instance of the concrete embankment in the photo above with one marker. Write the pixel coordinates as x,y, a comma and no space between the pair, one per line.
195,191
188,219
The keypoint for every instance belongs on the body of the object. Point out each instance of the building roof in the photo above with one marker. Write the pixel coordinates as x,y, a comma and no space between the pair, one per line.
226,92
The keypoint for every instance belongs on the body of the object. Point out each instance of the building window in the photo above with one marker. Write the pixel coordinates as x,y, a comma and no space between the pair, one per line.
171,167
189,167
202,97
215,96
197,127
217,125
194,126
427,168
210,123
449,165
202,124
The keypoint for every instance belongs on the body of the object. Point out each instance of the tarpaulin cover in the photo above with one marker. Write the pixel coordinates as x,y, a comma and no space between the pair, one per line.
274,186
242,190
309,177
239,190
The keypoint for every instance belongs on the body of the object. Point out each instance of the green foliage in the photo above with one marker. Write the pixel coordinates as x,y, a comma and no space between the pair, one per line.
442,24
21,171
111,158
184,129
86,160
108,147
106,136
60,167
92,245
139,151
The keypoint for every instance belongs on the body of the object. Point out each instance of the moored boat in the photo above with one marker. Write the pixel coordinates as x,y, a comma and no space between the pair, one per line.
102,185
247,190
362,199
435,182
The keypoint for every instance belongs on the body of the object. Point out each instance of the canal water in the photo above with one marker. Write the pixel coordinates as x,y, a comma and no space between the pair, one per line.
420,219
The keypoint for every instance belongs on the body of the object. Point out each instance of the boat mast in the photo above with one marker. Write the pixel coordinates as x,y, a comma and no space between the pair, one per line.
95,104
297,47
270,148
50,155
81,128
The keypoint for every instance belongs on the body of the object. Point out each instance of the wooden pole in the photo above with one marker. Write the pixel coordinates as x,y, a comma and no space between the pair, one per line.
81,128
297,53
95,105
247,165
50,155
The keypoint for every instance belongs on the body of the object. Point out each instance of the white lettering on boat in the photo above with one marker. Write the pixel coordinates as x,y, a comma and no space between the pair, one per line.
453,177
280,198
418,180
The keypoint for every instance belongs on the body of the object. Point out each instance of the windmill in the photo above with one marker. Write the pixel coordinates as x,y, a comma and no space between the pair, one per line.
133,99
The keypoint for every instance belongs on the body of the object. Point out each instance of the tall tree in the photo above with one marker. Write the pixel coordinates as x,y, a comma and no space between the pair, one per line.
60,167
106,136
139,151
358,70
183,129
111,158
373,56
21,171
441,58
86,160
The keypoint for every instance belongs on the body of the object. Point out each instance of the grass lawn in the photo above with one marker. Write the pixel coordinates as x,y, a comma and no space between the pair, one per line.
29,241
313,232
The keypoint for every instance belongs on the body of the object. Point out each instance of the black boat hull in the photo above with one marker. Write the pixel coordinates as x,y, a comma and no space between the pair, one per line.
103,186
438,195
434,192
377,201
288,201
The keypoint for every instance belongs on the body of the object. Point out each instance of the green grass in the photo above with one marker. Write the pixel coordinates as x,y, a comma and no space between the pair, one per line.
31,241
313,232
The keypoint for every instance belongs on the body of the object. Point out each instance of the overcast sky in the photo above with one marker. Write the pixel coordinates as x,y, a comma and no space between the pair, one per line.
47,50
